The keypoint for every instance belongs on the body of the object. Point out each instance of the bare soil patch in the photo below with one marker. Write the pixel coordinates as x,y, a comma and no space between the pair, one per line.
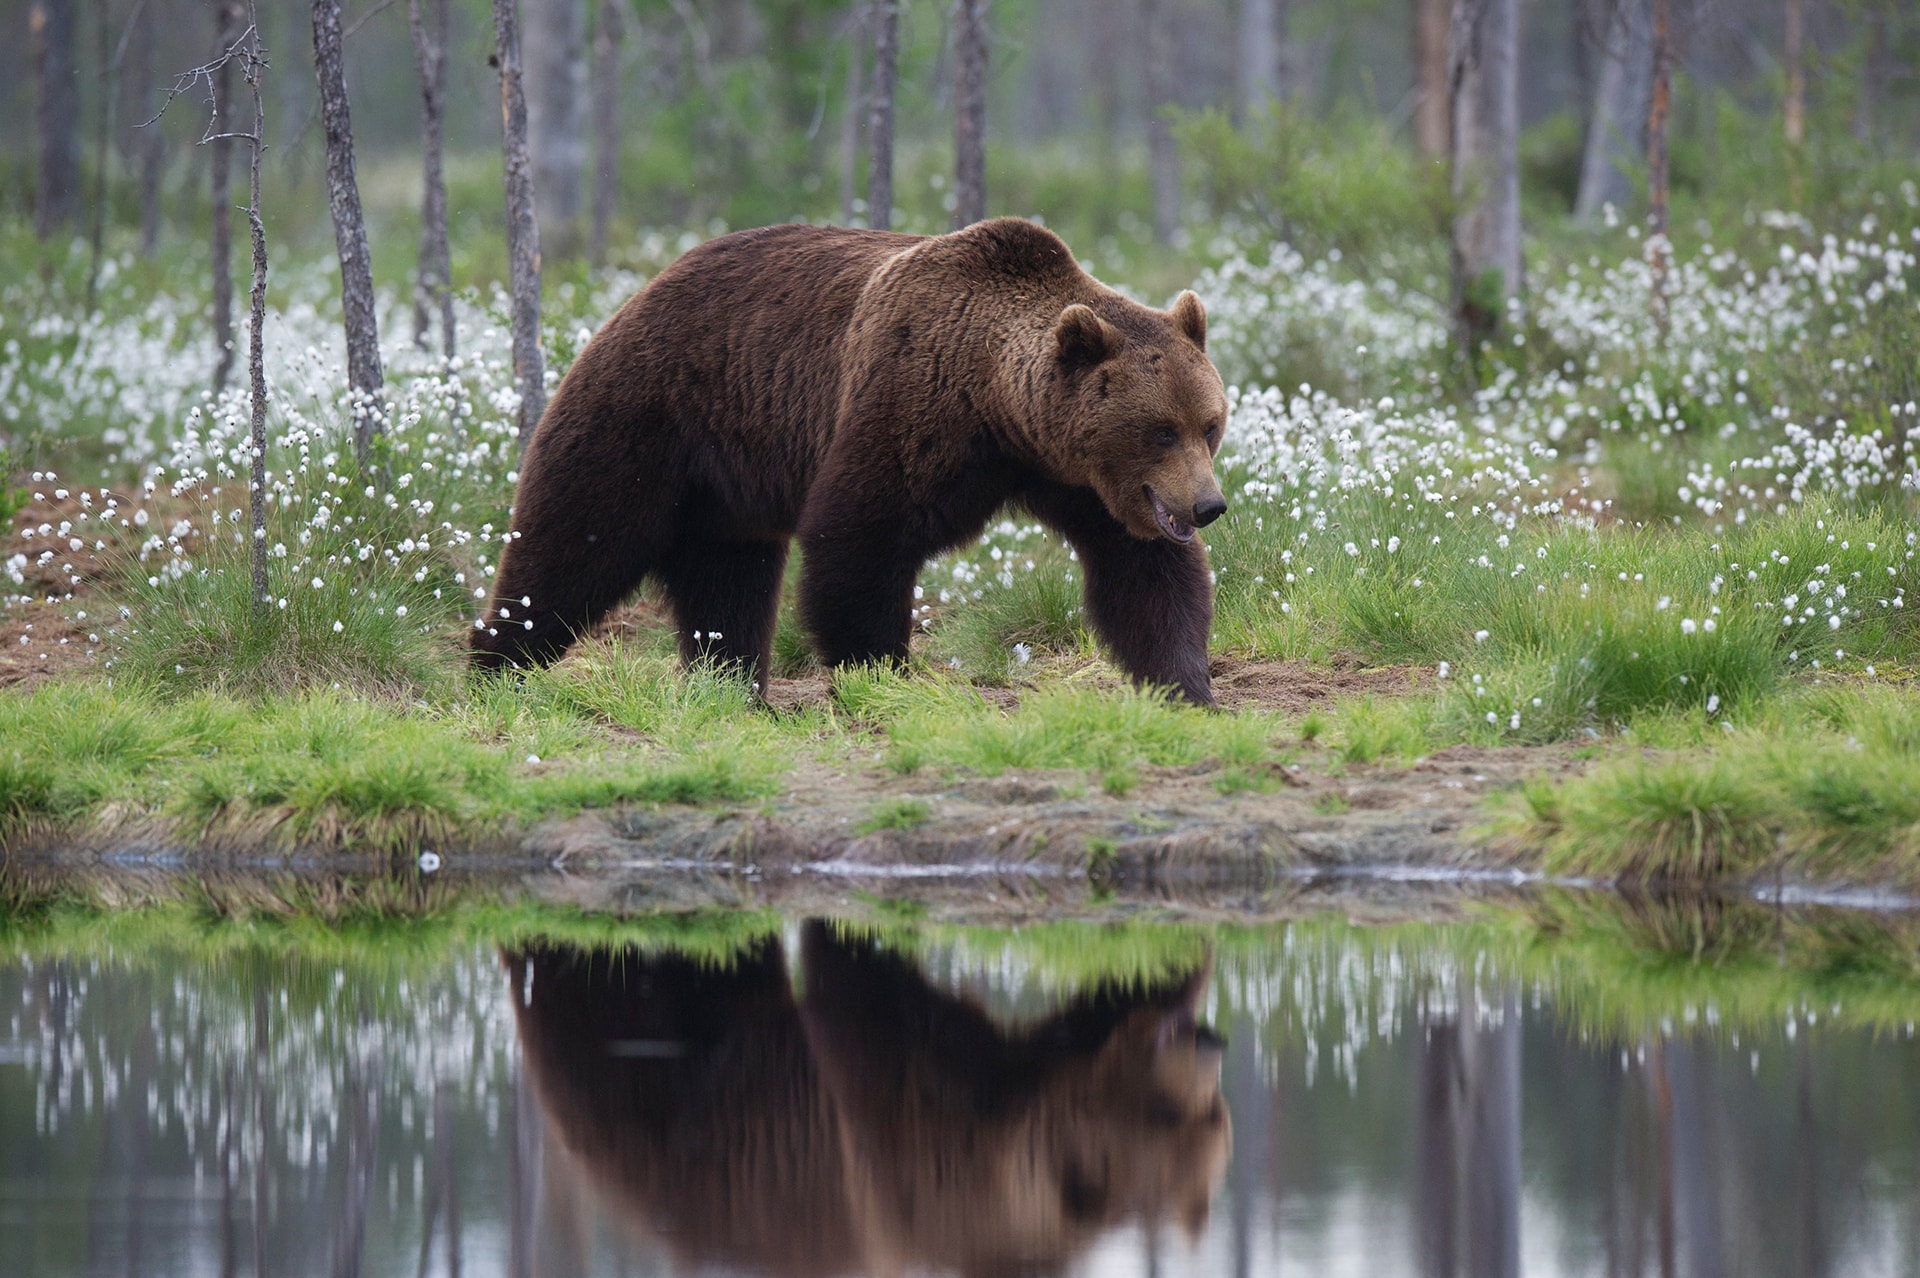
40,641
1293,687
42,634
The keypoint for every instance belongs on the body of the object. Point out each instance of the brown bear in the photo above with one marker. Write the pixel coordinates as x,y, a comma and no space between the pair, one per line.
878,1125
880,395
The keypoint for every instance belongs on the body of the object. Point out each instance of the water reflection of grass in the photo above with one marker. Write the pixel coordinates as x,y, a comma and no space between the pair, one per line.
376,923
1616,966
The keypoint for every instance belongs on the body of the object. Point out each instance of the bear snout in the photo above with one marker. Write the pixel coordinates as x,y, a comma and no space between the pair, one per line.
1208,509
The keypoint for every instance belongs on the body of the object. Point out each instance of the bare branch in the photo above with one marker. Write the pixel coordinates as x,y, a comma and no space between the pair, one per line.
183,83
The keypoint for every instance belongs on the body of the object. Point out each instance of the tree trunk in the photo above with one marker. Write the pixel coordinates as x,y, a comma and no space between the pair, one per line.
607,34
1484,79
146,146
349,232
56,116
1163,156
1796,56
886,76
554,61
433,283
523,229
226,25
1659,249
1433,109
857,29
256,67
1620,101
1259,55
969,112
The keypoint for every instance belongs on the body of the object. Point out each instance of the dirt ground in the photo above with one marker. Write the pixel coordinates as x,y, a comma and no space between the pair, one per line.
1315,817
41,633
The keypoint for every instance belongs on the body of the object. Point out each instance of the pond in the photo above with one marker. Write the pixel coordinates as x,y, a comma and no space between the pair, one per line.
797,1096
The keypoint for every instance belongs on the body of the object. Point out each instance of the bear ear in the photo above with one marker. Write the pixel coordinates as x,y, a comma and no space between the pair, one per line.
1191,317
1083,338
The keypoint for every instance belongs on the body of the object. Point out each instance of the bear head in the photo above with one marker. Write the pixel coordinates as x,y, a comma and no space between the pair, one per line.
1147,410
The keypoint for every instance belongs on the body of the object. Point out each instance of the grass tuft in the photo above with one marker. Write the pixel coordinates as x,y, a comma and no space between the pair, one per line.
896,814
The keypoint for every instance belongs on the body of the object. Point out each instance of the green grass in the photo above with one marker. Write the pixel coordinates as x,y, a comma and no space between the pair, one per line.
896,814
327,769
1824,783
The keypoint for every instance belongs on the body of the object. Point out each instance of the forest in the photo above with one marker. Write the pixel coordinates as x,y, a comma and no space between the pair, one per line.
1570,349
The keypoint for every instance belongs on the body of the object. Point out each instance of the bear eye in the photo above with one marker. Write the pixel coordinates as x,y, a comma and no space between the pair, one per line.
1165,436
1213,434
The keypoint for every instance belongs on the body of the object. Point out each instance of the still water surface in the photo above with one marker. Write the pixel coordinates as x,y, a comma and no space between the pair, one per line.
1318,1100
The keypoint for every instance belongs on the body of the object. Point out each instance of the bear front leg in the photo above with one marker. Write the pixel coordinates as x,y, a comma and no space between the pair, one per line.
1150,601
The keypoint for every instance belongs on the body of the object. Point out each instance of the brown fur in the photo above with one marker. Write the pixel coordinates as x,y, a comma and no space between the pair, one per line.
881,1125
880,396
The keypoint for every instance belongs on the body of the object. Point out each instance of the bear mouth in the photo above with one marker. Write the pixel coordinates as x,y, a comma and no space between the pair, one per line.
1177,529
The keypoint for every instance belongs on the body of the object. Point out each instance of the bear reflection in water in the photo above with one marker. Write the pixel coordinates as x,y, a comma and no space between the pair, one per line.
877,1125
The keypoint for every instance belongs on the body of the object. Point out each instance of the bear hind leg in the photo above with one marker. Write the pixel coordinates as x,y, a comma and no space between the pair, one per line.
551,590
726,600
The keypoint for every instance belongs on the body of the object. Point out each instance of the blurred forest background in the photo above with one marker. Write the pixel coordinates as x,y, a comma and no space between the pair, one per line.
1138,128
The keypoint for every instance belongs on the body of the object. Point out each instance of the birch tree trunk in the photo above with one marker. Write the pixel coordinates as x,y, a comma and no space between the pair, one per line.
1433,108
433,281
857,30
1259,59
1620,103
56,116
607,34
1163,157
226,26
364,376
970,112
256,67
523,229
554,66
886,76
1659,248
1484,81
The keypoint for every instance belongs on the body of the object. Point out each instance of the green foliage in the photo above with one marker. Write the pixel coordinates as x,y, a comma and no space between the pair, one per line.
1322,183
13,498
